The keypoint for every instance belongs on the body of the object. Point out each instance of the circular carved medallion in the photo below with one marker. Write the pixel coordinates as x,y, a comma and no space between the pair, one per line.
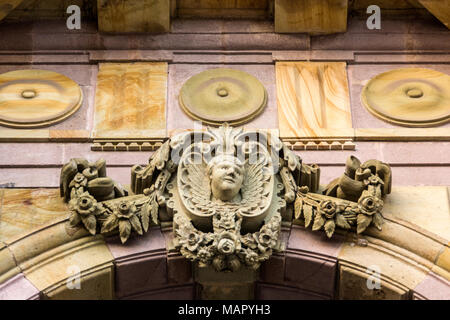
36,98
412,97
223,95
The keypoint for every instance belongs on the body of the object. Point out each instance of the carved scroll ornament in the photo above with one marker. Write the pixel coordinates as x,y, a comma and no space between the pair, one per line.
226,193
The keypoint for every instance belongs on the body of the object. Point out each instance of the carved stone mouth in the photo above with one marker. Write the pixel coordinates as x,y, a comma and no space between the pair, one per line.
229,179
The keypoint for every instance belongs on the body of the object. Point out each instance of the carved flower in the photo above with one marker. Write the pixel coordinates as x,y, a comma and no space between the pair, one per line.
193,240
84,209
266,240
370,205
328,208
204,255
251,257
226,246
84,205
228,243
124,216
125,210
78,181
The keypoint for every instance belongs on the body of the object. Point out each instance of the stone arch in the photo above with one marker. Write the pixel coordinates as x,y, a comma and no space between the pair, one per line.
413,263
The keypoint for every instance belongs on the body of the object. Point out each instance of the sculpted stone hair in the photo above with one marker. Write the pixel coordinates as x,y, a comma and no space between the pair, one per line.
223,157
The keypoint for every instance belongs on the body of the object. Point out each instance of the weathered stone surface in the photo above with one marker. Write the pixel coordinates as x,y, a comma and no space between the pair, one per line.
432,287
8,266
182,292
23,210
131,100
311,261
18,288
311,16
87,257
426,207
133,16
238,9
179,270
141,265
273,292
353,286
358,264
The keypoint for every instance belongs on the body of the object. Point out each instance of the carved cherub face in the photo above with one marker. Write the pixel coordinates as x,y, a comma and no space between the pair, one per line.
226,177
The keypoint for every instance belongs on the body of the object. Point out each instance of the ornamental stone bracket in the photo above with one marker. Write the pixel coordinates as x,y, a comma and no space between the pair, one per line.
226,193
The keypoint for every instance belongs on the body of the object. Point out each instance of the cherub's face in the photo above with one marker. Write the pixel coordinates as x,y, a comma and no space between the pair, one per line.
226,180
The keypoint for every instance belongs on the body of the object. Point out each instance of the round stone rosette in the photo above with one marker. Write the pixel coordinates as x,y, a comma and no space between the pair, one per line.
223,95
411,97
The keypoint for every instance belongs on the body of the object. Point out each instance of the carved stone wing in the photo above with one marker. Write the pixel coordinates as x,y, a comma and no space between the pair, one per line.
195,185
256,178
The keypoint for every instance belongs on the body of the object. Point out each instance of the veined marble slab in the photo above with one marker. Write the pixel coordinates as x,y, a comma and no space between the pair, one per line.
130,100
312,98
25,209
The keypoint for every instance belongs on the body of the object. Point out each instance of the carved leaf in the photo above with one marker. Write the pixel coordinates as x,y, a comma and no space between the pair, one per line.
319,221
329,227
136,224
308,214
145,216
74,218
363,222
90,223
124,230
342,222
298,207
110,224
154,211
378,220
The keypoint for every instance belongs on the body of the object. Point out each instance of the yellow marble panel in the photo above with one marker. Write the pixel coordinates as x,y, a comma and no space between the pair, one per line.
26,209
440,9
311,16
313,99
133,15
7,6
130,100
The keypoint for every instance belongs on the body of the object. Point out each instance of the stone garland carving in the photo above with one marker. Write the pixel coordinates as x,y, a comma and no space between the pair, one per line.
367,182
100,204
226,193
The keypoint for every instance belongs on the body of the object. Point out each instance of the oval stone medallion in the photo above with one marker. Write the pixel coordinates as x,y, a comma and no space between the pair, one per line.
36,98
412,97
223,95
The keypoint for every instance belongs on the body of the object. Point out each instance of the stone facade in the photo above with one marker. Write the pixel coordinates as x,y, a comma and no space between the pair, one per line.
40,253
